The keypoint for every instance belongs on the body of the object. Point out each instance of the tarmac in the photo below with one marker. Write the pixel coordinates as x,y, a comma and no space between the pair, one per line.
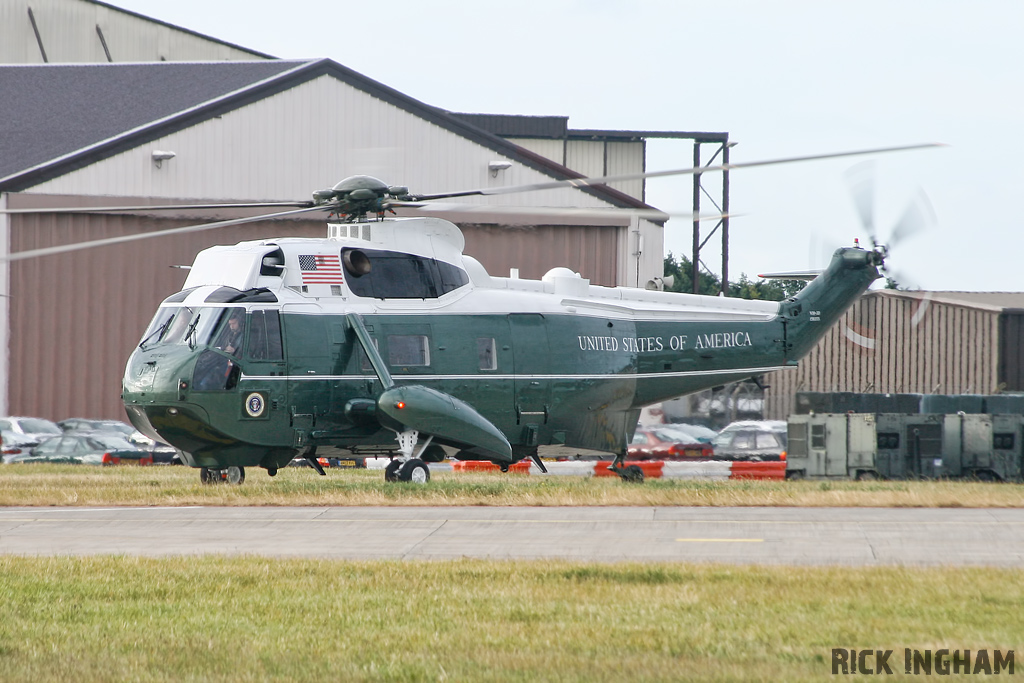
777,536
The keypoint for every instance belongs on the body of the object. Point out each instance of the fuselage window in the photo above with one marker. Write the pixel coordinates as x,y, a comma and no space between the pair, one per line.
391,275
265,335
451,277
408,349
485,353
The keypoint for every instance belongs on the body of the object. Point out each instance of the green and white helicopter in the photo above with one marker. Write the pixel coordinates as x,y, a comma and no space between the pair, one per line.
384,336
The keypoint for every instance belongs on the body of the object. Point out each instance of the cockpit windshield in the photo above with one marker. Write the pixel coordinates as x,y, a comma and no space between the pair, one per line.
192,325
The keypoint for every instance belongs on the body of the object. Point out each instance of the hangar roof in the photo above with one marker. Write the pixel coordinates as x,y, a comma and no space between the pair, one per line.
557,127
989,301
57,110
58,118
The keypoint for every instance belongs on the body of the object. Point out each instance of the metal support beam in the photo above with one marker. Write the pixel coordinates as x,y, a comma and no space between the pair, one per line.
725,219
723,149
696,221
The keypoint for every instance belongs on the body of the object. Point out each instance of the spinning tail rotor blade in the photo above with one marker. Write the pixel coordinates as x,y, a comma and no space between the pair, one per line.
918,217
860,180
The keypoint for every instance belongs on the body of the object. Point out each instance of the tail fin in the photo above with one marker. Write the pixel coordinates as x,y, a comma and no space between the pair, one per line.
810,314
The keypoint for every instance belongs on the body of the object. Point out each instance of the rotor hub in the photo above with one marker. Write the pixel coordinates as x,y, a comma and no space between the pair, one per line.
356,196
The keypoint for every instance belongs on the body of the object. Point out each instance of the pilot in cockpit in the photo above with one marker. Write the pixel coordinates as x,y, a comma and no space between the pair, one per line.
233,333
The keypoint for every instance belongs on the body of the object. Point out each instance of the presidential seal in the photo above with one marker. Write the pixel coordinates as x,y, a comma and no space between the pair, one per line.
254,404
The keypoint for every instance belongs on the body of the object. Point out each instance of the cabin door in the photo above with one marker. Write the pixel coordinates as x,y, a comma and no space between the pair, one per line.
532,368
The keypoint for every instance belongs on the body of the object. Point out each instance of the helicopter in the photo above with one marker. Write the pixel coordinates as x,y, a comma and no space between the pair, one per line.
385,337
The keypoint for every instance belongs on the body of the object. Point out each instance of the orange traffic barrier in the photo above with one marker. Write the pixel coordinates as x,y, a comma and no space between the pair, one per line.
109,459
521,467
758,470
651,468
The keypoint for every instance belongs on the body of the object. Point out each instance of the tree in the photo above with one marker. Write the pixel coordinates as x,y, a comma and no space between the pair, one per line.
681,269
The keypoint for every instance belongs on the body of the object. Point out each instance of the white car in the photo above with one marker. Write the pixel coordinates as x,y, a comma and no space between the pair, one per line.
35,428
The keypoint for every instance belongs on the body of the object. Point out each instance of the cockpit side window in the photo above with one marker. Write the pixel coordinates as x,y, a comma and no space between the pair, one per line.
265,335
232,332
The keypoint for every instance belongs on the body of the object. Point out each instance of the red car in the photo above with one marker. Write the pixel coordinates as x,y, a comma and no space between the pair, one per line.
662,443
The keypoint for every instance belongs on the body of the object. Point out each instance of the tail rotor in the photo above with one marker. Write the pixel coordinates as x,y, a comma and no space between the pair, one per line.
916,218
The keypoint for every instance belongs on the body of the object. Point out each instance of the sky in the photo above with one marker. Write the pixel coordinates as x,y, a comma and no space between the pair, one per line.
783,78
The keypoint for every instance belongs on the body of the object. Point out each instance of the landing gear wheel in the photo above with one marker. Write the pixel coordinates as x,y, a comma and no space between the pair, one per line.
272,471
235,475
208,476
632,474
391,471
415,471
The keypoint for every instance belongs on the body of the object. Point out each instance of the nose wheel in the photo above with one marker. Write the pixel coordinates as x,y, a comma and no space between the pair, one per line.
406,467
231,475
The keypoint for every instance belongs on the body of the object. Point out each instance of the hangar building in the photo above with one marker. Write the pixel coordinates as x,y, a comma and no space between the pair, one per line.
95,134
913,342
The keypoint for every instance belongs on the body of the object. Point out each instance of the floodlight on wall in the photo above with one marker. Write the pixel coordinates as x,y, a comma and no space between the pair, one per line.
496,166
159,157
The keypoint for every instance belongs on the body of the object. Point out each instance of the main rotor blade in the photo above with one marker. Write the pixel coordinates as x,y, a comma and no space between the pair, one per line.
603,180
156,207
792,275
64,248
534,211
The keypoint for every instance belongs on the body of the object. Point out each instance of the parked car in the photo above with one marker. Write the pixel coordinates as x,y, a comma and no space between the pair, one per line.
31,427
752,440
663,443
15,444
698,433
85,449
162,453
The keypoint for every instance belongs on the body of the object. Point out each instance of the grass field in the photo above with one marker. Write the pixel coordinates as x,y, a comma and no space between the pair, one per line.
251,619
216,618
50,485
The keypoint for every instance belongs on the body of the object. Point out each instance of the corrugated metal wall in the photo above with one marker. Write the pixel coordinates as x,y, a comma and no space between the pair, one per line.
595,158
70,31
1011,350
895,343
624,158
534,250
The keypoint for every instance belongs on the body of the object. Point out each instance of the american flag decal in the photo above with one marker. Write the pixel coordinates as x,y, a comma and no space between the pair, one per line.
320,270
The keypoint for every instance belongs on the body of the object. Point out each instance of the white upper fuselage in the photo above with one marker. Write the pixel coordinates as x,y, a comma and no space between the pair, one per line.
559,292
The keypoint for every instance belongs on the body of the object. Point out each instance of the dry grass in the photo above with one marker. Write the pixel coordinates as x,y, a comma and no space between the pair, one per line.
56,485
254,619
